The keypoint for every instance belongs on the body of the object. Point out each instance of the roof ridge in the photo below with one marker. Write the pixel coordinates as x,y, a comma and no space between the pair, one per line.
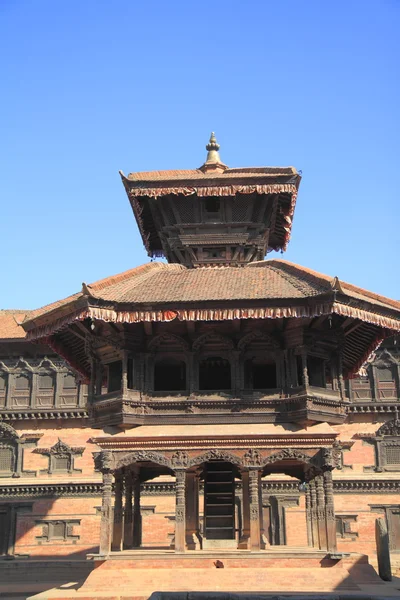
145,273
112,279
344,284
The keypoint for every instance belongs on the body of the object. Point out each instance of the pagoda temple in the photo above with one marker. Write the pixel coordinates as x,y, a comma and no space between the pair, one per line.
215,404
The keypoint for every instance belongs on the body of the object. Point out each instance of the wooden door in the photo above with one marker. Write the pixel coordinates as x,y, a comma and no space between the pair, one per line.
4,530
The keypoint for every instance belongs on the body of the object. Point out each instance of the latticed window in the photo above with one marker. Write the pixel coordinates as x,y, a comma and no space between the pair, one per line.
385,374
393,455
61,463
69,381
6,460
3,382
22,382
58,530
45,382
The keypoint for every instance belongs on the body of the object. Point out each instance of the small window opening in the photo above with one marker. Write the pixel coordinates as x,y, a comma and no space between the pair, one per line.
212,205
61,463
316,371
114,376
214,253
170,375
393,455
259,374
214,374
212,209
6,460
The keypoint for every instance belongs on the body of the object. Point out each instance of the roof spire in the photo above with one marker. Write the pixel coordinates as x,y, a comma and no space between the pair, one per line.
213,160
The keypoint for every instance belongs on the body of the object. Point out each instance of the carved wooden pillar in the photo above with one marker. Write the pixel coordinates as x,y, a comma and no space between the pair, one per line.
329,512
128,514
98,377
180,510
235,372
192,511
306,381
342,387
124,383
190,383
314,519
137,517
254,505
263,539
106,514
118,520
9,389
309,515
34,390
92,382
244,540
375,387
321,516
58,388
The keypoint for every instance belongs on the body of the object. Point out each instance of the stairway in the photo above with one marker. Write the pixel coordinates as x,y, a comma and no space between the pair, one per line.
219,501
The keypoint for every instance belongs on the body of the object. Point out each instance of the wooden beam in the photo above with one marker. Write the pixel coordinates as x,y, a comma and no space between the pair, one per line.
353,328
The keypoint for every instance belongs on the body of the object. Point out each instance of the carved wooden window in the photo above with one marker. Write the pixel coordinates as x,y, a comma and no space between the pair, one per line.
7,460
60,530
69,382
22,382
46,381
61,463
393,455
385,374
344,525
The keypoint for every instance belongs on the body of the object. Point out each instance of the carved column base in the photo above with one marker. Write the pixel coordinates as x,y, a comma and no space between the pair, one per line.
244,542
194,541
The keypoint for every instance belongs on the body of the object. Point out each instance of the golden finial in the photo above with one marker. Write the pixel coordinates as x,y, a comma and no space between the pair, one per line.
213,160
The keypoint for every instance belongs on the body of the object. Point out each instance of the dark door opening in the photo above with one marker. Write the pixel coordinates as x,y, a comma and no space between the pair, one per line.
260,375
316,371
214,374
114,376
219,501
4,530
170,375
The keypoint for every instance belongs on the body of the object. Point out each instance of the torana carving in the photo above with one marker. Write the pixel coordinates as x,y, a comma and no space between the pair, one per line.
141,456
6,431
214,454
391,428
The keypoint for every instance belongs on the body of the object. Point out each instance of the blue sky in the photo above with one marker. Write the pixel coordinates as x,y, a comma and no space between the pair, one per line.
92,87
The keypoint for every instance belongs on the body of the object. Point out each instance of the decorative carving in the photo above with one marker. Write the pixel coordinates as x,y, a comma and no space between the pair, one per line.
256,335
225,342
214,454
252,458
288,454
60,448
141,456
254,495
105,461
6,431
179,459
331,457
169,339
390,428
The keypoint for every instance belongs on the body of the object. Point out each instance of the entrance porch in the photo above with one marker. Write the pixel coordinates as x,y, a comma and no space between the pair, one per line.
220,486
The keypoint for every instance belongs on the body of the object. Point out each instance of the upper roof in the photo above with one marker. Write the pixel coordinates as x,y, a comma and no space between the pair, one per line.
277,285
212,179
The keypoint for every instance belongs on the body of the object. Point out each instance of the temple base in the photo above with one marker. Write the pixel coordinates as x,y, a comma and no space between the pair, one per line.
136,575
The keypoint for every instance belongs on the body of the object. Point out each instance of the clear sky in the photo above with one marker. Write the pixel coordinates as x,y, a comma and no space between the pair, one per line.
89,87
